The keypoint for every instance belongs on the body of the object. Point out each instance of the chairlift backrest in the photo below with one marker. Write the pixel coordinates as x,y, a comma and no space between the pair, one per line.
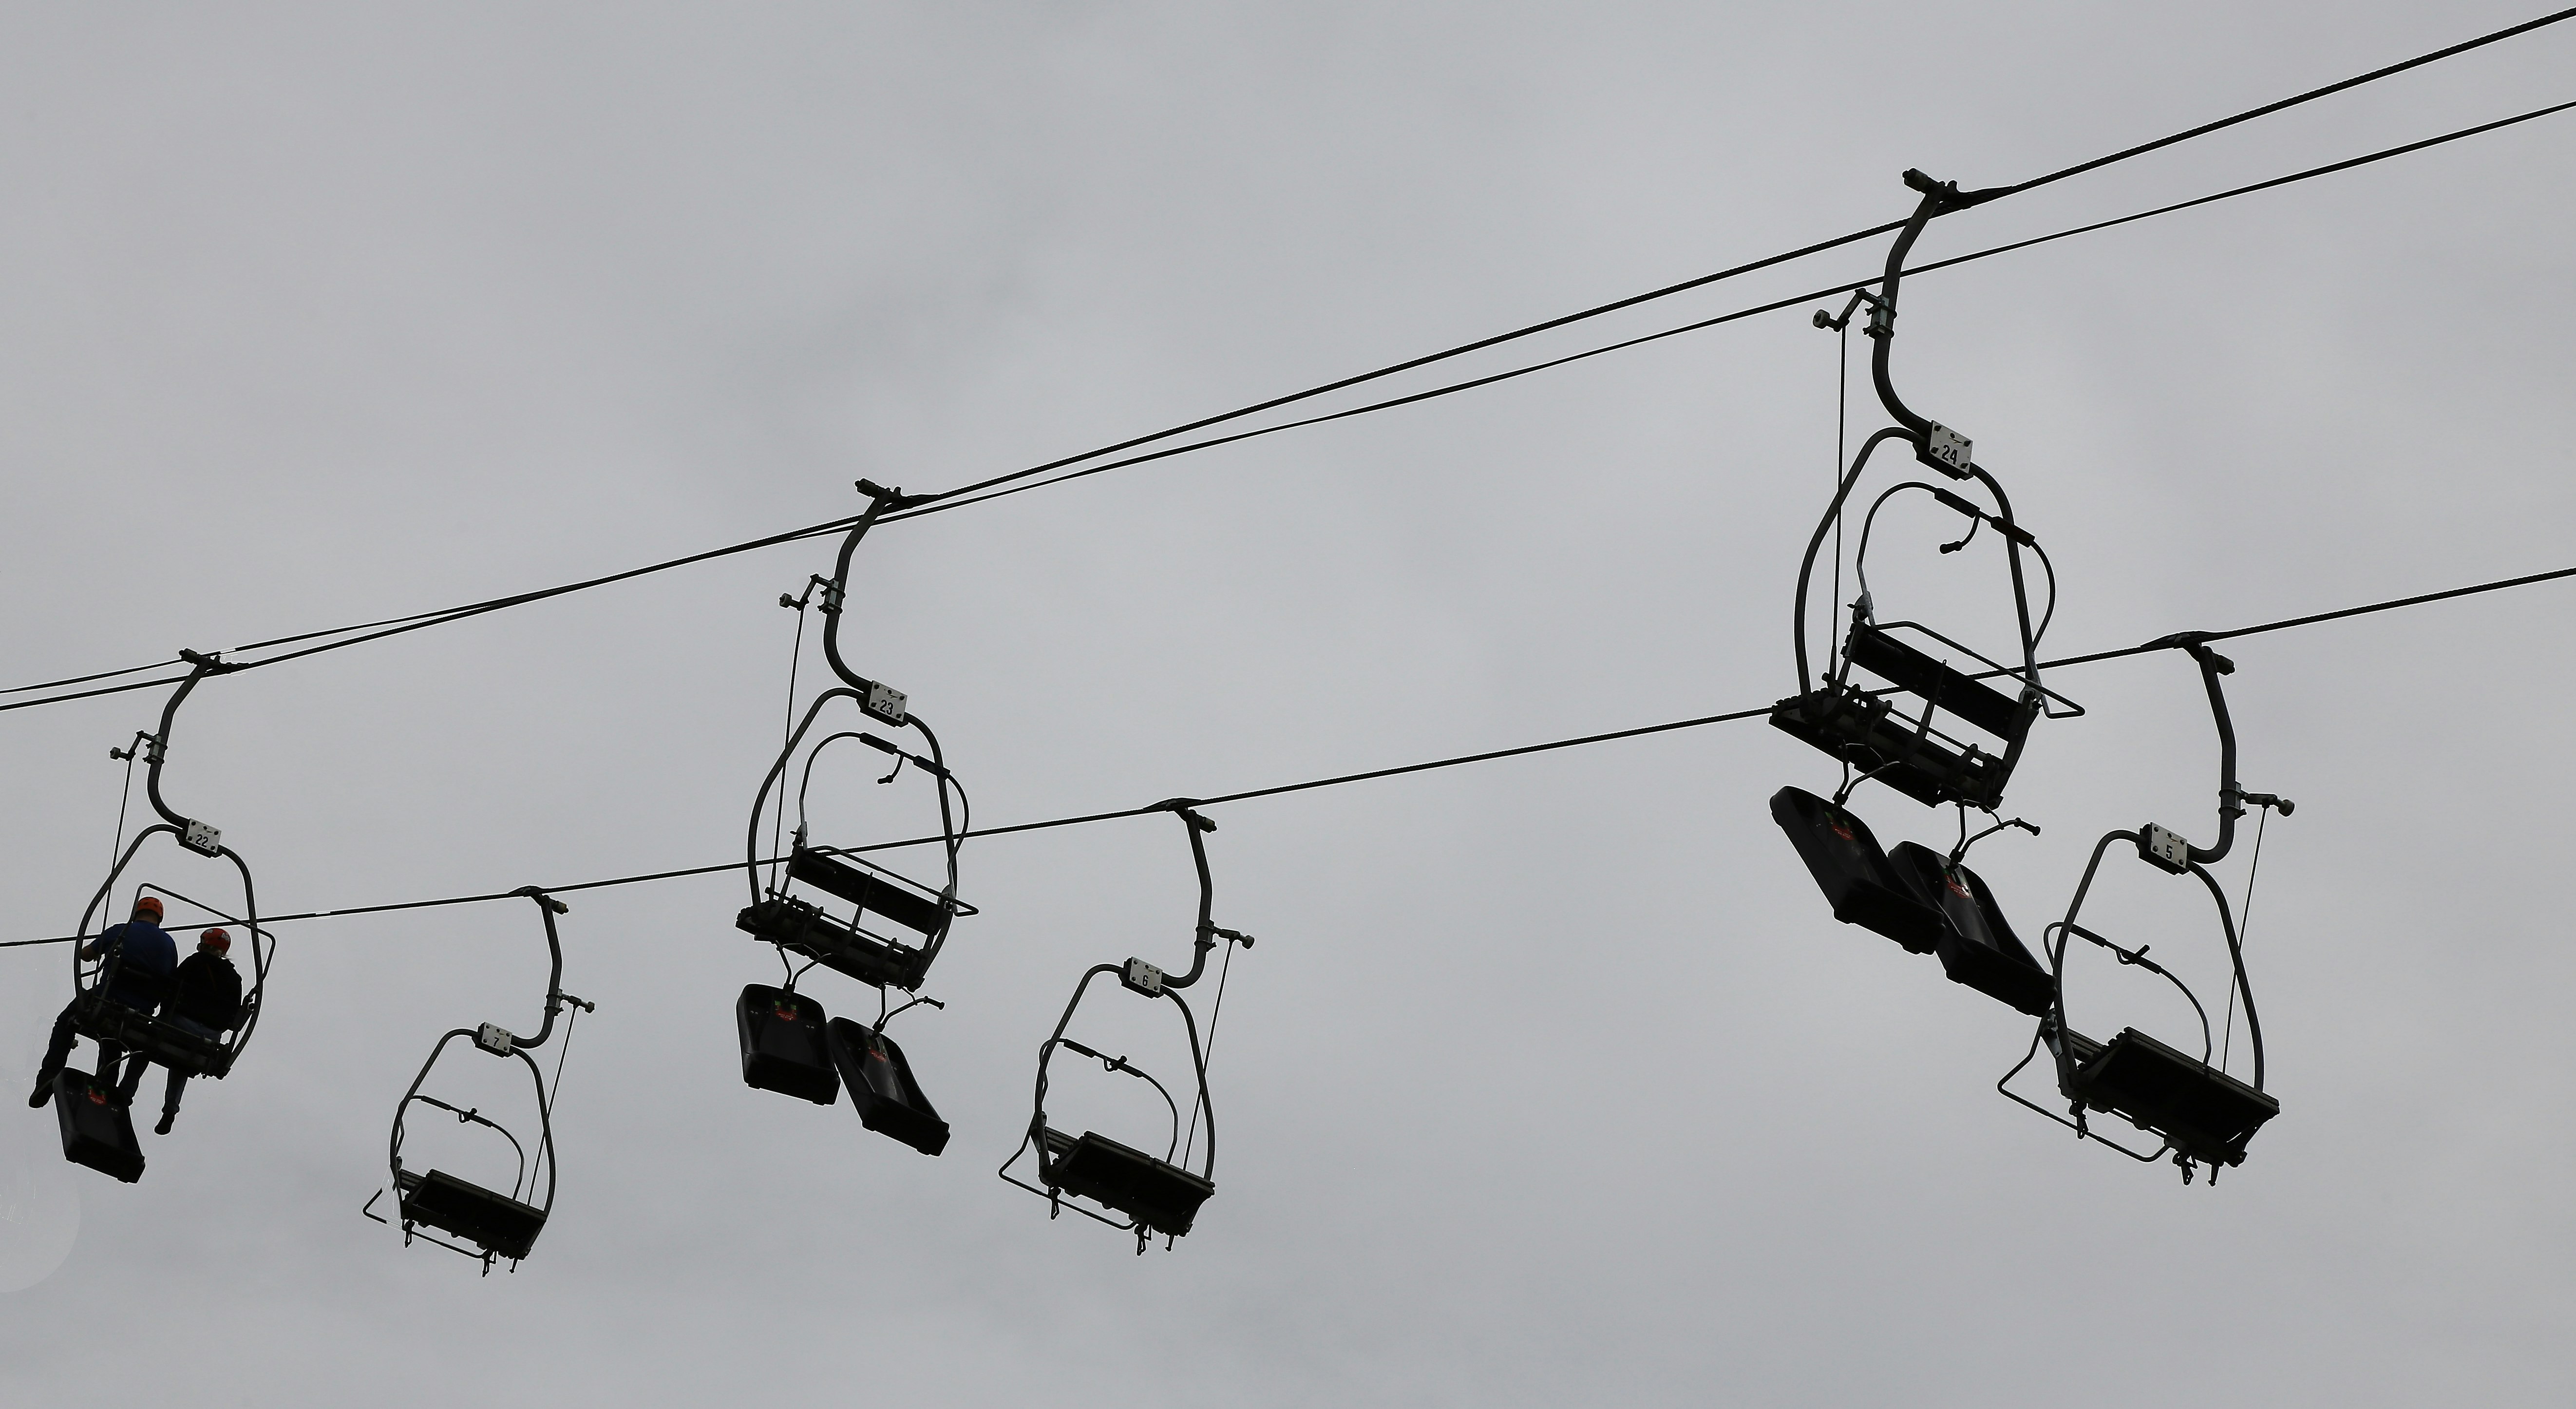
870,890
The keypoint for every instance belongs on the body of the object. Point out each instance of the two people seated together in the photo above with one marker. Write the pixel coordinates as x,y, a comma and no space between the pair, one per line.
201,996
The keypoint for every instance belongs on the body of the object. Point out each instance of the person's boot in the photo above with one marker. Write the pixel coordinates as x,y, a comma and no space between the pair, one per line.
163,1128
44,1090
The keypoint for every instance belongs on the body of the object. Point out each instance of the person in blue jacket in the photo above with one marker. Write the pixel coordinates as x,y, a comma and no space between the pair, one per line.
144,959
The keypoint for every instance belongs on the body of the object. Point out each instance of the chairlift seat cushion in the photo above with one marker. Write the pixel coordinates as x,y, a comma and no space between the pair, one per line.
1854,873
97,1131
1160,1196
882,1086
1977,946
161,1040
884,892
782,1044
494,1222
833,944
2205,1113
1901,665
1863,730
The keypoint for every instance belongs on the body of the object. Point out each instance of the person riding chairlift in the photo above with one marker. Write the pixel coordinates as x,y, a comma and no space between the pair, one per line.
205,1001
144,959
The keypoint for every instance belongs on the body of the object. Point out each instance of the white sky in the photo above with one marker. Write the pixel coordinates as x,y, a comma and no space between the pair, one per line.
1550,1080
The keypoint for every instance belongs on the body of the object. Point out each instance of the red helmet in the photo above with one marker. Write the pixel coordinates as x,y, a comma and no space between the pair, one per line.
150,903
216,940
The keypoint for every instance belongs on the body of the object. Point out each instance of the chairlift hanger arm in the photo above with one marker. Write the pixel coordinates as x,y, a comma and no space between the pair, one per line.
547,907
880,501
159,745
2232,796
1207,932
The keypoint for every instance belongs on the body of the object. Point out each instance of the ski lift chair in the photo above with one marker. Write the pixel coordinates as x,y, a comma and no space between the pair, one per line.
2199,1110
1922,756
1155,1194
498,1225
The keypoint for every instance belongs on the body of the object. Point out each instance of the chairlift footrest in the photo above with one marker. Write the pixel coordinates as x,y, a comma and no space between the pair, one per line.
1858,880
1977,945
97,1130
882,1087
783,1048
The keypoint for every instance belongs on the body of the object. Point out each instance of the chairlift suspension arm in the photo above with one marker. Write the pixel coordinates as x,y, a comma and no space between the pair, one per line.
159,747
548,907
835,592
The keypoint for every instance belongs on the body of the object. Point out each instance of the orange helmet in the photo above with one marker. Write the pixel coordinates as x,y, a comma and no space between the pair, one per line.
150,904
216,940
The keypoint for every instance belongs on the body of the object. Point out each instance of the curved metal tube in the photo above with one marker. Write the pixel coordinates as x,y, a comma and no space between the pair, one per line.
1815,542
1882,325
760,800
205,666
834,599
548,907
2213,665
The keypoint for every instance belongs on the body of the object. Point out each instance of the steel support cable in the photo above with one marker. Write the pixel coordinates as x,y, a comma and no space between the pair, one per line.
943,503
2034,183
394,626
1460,760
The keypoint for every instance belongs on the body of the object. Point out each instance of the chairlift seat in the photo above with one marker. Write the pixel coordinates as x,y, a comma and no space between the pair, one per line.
1977,946
103,1019
882,1086
834,944
494,1222
2205,1113
1915,758
97,1130
783,1047
1160,1196
1856,876
870,888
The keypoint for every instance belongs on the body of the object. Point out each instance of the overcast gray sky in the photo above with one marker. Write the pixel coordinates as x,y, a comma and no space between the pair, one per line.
1550,1080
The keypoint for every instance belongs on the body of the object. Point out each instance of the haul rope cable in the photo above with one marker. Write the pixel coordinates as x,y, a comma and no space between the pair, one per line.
2159,644
971,494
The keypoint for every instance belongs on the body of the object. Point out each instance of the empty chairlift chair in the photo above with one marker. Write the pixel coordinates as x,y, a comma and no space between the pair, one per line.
893,929
1154,1194
488,1223
2199,1110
